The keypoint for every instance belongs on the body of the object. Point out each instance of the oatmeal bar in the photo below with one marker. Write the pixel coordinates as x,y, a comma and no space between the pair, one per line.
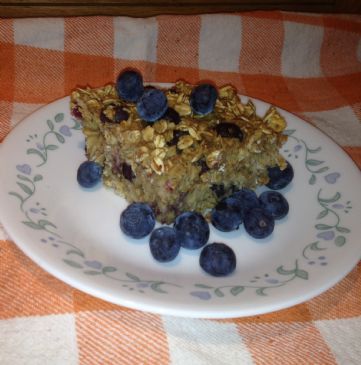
183,161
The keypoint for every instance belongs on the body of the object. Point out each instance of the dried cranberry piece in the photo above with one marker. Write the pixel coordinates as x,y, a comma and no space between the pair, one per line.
76,112
127,171
229,130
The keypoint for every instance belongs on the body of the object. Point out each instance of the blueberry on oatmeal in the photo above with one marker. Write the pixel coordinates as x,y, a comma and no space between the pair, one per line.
137,220
203,99
129,85
152,105
279,179
192,230
218,259
89,174
274,203
163,244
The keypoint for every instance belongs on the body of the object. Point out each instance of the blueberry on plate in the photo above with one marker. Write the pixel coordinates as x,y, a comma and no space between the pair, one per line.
227,215
274,203
203,99
229,130
258,223
279,179
89,174
218,259
129,85
192,230
152,105
163,244
248,199
137,220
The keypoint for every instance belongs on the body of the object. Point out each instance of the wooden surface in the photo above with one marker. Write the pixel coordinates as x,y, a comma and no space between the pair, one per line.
144,8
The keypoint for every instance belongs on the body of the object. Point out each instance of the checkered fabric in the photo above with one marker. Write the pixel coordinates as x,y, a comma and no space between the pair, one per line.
306,63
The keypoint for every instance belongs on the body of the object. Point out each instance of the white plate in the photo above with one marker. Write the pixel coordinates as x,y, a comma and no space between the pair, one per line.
74,234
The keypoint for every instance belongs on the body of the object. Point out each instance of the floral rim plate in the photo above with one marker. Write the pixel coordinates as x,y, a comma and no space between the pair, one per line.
74,234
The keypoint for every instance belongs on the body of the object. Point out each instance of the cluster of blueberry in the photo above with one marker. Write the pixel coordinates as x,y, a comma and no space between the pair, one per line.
191,230
257,213
152,103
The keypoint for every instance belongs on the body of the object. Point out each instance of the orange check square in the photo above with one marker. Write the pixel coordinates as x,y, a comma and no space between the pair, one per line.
26,290
80,36
178,41
272,89
39,75
262,42
7,71
6,30
314,94
84,70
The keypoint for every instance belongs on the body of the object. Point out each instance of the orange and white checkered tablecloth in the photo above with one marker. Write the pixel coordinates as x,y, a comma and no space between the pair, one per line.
308,64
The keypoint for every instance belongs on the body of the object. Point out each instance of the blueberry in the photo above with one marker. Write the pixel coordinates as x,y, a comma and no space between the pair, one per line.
172,116
192,230
229,130
137,220
129,85
258,223
120,114
278,179
218,259
152,105
163,244
248,199
203,99
89,174
227,215
274,203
